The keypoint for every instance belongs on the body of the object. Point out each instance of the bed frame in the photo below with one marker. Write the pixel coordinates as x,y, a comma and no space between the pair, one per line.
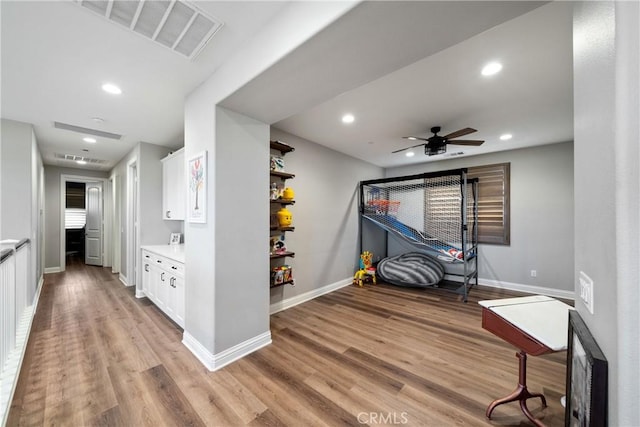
436,213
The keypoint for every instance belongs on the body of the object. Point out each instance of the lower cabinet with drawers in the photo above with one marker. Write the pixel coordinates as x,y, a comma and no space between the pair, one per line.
163,282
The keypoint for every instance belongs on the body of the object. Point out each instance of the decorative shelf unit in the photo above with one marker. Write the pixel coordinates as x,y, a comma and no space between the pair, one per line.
277,257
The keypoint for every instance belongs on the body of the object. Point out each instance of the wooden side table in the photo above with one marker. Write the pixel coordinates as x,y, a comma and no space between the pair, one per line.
535,325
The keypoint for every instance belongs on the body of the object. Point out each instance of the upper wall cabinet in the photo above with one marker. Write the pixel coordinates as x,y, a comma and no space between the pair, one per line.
173,186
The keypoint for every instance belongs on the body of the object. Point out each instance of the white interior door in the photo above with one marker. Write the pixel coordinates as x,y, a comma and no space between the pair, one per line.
93,228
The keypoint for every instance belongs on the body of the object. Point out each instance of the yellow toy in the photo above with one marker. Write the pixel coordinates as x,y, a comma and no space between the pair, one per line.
367,273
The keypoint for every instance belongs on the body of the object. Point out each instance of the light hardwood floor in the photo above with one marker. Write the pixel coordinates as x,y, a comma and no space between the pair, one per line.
378,355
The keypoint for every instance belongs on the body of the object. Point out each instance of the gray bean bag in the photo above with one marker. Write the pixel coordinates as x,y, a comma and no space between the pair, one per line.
412,269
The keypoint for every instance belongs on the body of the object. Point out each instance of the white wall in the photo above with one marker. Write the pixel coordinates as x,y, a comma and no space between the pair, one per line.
242,229
296,23
22,191
607,234
152,229
17,179
541,218
325,215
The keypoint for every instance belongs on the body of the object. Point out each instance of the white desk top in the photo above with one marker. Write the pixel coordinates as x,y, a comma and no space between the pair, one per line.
543,318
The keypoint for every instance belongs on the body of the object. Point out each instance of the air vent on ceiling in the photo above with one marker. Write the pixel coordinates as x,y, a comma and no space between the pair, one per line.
74,158
175,24
86,131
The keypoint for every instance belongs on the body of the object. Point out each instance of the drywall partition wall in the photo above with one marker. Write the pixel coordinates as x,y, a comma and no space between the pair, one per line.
541,218
17,179
21,191
242,229
297,22
52,198
607,189
152,230
325,216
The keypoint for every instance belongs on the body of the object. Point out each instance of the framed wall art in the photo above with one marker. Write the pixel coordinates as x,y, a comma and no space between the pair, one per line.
586,377
197,188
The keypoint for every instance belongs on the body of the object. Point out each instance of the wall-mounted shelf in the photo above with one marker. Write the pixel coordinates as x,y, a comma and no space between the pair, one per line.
281,147
288,282
283,202
283,228
283,175
283,255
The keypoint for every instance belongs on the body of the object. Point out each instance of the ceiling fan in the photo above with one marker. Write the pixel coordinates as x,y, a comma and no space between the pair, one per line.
437,144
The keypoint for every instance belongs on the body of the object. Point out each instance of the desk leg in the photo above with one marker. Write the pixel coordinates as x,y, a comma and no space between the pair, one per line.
521,393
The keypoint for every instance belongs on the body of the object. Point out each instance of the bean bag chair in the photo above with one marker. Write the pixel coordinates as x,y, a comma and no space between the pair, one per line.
413,269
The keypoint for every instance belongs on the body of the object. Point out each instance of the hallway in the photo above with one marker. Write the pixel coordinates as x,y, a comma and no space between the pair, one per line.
99,356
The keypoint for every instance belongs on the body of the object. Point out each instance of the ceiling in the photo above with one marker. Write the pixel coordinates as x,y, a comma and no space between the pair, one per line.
398,67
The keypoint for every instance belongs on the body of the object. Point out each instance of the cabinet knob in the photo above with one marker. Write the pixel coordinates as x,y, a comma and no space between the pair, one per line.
168,214
174,267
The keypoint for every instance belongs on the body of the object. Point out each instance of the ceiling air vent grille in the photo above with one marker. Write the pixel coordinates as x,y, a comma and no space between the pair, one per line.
176,24
86,131
74,158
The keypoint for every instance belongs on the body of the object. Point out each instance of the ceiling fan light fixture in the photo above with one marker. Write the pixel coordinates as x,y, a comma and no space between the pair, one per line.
505,137
491,68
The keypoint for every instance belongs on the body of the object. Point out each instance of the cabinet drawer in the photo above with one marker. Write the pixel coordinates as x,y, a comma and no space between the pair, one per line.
168,265
173,267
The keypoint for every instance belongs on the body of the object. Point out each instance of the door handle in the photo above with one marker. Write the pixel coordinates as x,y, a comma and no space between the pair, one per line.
162,276
146,267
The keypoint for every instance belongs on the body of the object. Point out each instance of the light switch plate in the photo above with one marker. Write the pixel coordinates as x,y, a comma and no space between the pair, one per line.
586,290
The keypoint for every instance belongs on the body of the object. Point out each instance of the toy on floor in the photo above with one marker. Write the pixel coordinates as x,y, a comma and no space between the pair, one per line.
367,273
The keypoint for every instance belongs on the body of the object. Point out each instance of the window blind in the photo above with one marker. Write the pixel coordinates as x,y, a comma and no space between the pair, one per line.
493,202
74,218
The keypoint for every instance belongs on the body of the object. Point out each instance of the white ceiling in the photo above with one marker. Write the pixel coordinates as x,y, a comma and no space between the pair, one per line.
399,67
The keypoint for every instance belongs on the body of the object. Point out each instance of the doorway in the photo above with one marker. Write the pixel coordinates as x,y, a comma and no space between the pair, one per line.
82,219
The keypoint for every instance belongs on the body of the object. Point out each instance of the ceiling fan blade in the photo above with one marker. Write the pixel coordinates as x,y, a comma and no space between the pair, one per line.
466,142
415,138
402,149
461,132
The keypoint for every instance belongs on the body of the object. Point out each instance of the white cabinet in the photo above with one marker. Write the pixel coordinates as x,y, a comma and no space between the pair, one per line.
174,190
163,284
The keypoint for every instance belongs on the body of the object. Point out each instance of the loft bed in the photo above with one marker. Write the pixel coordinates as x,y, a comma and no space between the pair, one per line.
436,214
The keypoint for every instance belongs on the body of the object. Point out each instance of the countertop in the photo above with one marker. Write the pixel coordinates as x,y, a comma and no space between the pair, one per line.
173,252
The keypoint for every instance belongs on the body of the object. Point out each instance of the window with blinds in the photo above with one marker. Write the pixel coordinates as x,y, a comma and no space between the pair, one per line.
493,202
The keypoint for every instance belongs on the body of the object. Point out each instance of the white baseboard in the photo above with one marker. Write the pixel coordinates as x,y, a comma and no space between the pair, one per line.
140,293
123,279
307,296
213,362
50,270
538,290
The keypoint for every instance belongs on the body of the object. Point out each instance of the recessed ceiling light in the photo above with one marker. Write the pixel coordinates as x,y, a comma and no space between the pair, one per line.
81,162
410,154
98,119
506,137
491,68
89,140
111,88
348,118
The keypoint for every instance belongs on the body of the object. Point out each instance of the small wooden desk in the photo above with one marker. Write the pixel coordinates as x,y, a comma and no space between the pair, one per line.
536,325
